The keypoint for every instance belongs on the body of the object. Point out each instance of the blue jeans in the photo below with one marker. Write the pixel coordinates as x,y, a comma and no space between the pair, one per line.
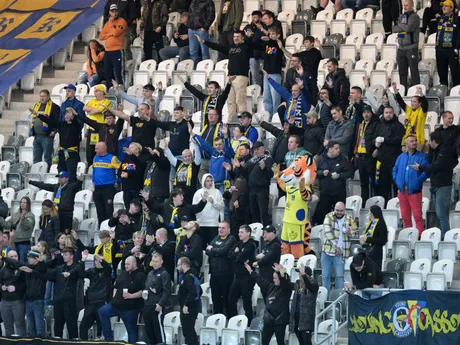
35,311
441,200
49,293
195,46
172,51
327,262
95,81
272,98
43,149
22,250
128,317
256,77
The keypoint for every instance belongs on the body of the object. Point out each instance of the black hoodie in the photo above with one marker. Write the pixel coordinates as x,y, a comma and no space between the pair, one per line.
369,276
100,282
441,167
159,176
392,131
11,275
246,252
338,165
272,254
191,248
339,88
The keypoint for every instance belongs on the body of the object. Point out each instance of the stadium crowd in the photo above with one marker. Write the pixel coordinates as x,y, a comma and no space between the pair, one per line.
180,202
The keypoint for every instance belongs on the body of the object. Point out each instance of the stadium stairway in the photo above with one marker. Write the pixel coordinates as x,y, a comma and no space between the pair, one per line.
21,101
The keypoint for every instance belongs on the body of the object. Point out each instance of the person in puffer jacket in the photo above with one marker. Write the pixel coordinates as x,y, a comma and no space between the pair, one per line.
13,288
212,212
278,293
201,15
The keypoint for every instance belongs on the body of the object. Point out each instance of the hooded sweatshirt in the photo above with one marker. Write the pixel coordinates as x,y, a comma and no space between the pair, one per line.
209,217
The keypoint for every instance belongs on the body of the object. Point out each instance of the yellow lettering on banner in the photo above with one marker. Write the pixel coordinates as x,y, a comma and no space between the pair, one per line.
10,21
48,25
32,5
7,56
4,4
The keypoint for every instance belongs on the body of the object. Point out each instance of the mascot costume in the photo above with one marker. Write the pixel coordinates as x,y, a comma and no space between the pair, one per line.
296,181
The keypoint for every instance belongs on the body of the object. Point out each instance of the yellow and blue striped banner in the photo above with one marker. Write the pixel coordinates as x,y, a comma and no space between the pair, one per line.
33,30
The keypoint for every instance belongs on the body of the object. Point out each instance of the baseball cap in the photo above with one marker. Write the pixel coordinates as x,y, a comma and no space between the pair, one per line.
258,144
70,86
367,108
33,254
63,174
113,7
100,87
185,219
245,114
449,3
270,228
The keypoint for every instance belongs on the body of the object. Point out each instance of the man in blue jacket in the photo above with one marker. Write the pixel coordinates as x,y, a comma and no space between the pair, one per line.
71,102
298,101
222,153
410,183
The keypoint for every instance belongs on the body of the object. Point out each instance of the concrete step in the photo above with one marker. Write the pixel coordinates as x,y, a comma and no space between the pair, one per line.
74,66
80,58
55,81
11,115
21,106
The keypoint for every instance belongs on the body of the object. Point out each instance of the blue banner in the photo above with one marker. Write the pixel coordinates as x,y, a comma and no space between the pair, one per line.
409,317
33,30
38,341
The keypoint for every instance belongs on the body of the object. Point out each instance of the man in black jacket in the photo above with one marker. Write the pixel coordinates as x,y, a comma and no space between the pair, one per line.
3,209
313,135
333,170
269,255
35,273
239,54
157,176
365,273
441,167
126,302
64,195
201,15
388,137
338,84
191,247
354,111
13,287
260,174
167,249
243,284
97,293
156,295
189,301
449,132
65,278
363,149
220,267
69,141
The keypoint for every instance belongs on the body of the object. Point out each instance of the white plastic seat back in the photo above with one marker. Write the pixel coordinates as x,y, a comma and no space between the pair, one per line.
84,196
239,323
27,192
358,26
205,65
421,265
447,250
317,232
43,195
318,28
385,65
366,14
366,65
185,65
40,168
413,280
287,260
436,282
326,15
423,250
445,266
376,200
355,203
175,91
218,322
391,237
308,260
409,234
321,297
295,40
376,38
356,39
257,230
412,91
230,336
172,320
432,235
8,195
168,66
402,250
346,14
148,65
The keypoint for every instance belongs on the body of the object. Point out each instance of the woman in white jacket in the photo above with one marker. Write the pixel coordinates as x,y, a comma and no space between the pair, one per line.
212,213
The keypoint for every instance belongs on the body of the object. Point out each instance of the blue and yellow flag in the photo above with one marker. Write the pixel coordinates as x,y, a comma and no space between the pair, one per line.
33,30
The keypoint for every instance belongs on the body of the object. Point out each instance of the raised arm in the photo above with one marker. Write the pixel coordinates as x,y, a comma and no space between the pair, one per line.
119,113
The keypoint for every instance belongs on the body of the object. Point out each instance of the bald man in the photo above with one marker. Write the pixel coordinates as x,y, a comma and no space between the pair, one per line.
13,287
126,302
105,167
338,229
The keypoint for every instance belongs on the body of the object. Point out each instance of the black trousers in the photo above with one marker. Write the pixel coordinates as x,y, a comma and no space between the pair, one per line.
220,289
406,59
386,184
128,196
154,325
65,312
207,234
90,152
113,68
242,286
89,317
65,221
268,331
188,325
103,199
258,204
225,38
427,21
444,60
152,38
327,202
69,165
304,337
366,168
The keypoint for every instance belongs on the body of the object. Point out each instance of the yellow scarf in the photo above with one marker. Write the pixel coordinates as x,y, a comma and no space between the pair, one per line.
148,179
47,113
173,217
370,228
107,251
361,139
216,132
188,183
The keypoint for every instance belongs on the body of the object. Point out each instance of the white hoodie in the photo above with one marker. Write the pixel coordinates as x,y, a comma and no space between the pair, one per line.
212,212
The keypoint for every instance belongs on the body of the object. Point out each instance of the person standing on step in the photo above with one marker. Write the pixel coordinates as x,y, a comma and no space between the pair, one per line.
153,26
229,19
189,301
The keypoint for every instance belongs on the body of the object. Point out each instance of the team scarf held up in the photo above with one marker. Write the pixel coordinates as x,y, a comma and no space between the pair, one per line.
208,104
47,113
371,228
148,178
188,182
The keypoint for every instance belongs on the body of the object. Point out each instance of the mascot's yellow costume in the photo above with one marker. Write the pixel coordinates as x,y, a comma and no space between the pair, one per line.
296,181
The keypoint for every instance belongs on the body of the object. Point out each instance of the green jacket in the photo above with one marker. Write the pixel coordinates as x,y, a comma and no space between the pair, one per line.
24,226
234,15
